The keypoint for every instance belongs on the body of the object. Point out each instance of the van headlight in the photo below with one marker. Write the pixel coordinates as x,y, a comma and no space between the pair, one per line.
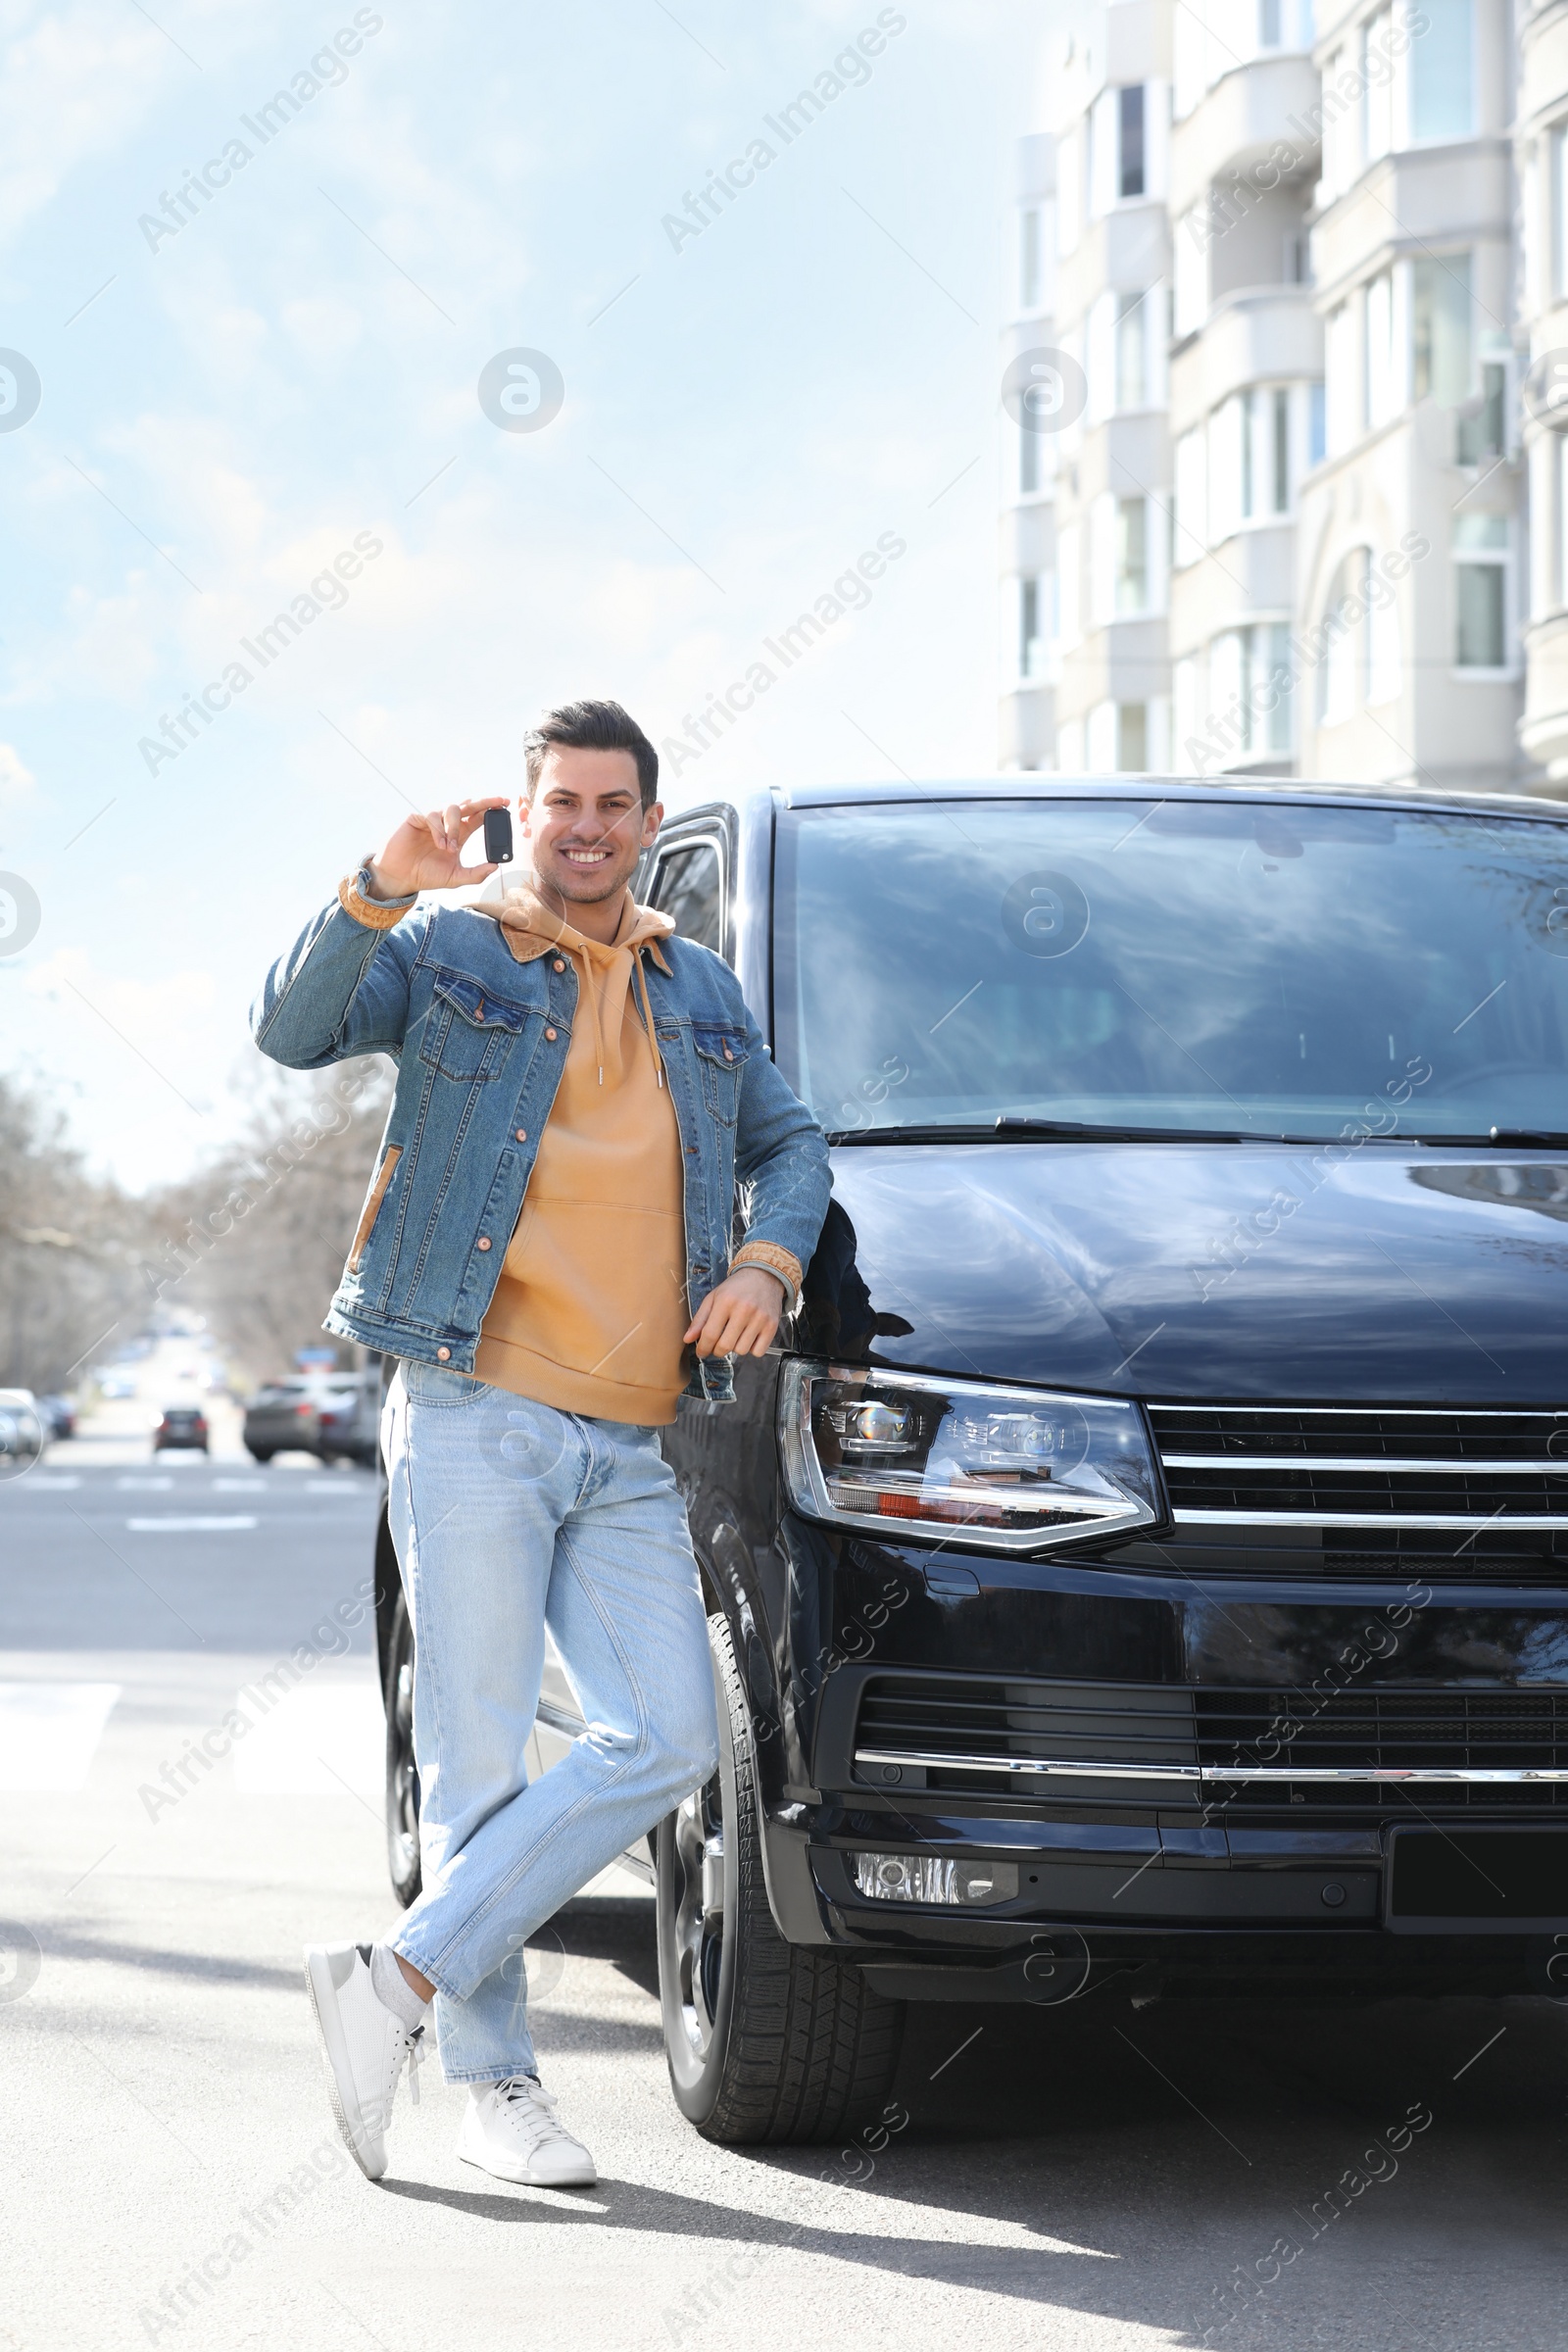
992,1468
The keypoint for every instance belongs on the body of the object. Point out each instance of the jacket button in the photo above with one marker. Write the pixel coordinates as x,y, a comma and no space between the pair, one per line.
483,1241
729,1056
479,1015
550,1035
522,1135
441,1354
560,964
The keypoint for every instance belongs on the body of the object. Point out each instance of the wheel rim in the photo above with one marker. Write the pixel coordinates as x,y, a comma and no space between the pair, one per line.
700,1912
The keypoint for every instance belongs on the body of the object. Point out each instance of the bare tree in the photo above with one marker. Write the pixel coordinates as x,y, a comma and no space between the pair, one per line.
70,1248
261,1234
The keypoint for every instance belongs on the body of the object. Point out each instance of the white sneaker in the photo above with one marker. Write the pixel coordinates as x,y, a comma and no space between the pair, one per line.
511,2130
366,2046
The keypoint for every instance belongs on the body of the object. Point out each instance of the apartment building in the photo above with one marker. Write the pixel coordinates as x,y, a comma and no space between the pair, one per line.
1414,520
1112,459
1028,537
1245,374
1316,518
1541,160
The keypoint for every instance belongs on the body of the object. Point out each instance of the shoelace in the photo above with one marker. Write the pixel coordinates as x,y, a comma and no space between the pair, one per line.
521,2092
416,2060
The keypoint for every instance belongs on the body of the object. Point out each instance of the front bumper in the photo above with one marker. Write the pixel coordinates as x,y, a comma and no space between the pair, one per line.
1265,1875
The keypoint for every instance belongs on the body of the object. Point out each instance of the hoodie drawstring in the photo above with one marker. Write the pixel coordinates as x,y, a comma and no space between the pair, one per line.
648,1013
589,991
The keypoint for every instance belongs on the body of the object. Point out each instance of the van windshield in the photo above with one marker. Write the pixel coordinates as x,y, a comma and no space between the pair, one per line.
1235,966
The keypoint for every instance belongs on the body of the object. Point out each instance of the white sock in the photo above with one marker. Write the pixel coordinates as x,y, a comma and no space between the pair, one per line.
392,1987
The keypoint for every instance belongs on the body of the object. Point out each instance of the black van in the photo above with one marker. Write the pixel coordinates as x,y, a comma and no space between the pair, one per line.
1145,1557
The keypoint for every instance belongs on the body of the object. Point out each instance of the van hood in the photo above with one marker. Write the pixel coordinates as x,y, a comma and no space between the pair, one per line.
1193,1271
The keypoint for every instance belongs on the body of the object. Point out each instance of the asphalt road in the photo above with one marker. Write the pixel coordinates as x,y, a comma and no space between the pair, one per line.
1093,2176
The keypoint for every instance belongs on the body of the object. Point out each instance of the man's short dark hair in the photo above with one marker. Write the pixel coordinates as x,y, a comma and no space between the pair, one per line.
592,727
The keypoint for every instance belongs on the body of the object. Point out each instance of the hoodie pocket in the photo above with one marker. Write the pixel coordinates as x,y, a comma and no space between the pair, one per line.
372,1203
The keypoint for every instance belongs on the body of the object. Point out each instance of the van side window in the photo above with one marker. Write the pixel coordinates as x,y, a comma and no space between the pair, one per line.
689,885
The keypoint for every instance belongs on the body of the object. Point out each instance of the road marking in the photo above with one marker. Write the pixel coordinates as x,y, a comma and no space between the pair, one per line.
322,1739
49,1731
144,1486
334,1485
49,1484
196,1524
240,1486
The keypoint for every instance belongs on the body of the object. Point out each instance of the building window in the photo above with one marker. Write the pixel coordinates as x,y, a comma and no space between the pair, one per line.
1281,402
1132,340
1029,259
1270,29
1132,556
1558,199
1250,679
1131,178
1068,560
1132,738
1440,328
1442,67
1190,520
1036,624
1316,426
1384,394
1339,358
1190,270
1377,86
1343,670
1481,591
1482,420
1029,468
1184,713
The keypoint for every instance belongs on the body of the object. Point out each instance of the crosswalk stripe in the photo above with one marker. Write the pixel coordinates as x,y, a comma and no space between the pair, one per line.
49,1731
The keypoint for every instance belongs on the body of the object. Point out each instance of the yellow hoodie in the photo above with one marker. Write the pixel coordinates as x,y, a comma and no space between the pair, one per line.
590,1312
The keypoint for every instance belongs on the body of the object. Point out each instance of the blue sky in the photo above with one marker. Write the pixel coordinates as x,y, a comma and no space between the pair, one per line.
232,406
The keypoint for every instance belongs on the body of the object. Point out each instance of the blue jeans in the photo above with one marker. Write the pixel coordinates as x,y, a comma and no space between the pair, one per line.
510,1517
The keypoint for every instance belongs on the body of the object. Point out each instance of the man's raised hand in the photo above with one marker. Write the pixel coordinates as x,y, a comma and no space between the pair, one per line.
425,852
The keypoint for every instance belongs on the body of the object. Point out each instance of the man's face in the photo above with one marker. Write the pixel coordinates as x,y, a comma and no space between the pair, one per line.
586,827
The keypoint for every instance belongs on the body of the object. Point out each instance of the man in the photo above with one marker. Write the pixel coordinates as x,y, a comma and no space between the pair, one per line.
547,1234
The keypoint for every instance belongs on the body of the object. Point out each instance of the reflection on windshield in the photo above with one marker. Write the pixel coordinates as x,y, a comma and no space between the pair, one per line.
1235,965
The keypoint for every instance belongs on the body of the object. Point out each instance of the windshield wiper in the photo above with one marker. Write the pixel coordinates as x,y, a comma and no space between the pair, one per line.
1065,1131
1509,1139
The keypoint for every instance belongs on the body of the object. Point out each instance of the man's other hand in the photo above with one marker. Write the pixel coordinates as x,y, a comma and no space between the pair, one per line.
741,1316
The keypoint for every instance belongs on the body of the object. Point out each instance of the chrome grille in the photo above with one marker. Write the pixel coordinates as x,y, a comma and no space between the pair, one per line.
1417,1469
1097,1741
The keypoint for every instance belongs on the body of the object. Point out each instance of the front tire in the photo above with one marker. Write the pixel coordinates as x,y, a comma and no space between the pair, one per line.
766,2041
402,1773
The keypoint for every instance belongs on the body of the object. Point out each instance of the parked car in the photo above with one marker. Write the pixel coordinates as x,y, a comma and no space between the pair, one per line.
1143,1558
24,1432
350,1414
59,1416
284,1416
116,1383
332,1415
182,1426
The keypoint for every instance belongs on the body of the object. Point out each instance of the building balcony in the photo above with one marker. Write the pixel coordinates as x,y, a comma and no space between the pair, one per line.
1266,334
1239,123
1544,730
1128,248
1542,62
1409,202
1253,572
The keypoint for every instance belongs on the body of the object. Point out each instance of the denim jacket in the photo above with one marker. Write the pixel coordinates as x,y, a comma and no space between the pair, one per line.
480,1041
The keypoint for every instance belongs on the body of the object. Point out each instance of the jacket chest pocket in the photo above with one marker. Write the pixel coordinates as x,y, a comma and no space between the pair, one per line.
468,1033
720,1058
